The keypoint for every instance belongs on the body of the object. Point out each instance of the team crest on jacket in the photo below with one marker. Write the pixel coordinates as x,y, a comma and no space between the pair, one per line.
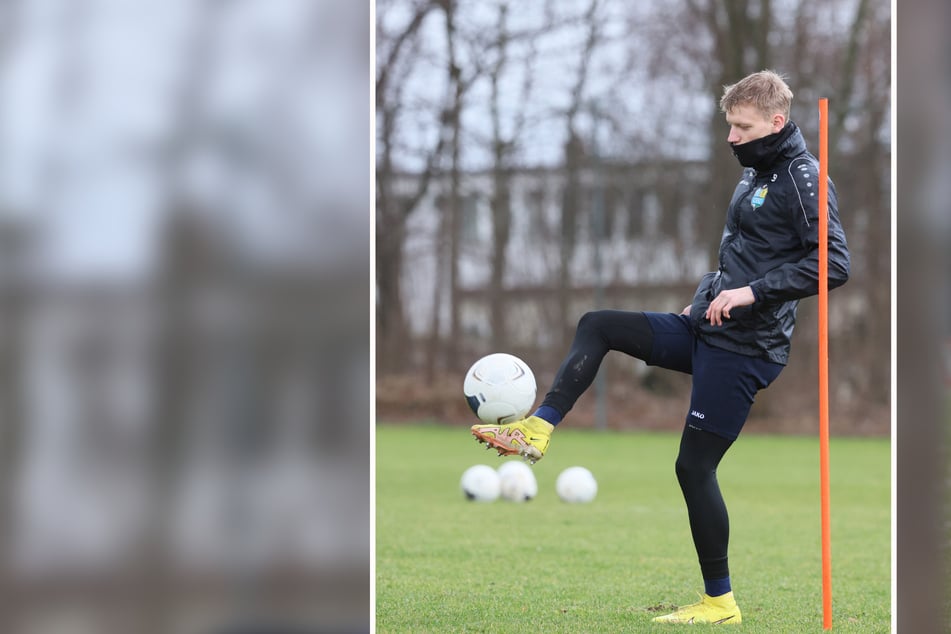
759,196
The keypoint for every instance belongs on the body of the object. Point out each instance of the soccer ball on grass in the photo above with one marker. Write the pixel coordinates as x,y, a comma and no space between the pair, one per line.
576,485
517,481
480,483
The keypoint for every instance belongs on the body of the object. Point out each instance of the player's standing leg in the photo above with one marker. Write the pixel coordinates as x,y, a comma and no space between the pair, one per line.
700,453
724,386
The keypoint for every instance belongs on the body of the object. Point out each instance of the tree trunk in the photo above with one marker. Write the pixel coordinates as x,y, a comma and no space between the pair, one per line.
454,116
501,197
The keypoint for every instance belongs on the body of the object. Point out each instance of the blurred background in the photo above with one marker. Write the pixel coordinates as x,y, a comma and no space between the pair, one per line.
538,160
184,284
923,309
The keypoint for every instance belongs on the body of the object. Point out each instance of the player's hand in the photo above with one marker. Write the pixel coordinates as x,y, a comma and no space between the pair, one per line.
727,300
686,310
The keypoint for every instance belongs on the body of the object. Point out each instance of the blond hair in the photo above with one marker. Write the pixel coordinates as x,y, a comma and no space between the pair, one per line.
766,91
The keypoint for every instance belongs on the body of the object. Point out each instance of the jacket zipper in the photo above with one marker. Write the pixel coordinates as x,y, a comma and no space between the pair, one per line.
739,218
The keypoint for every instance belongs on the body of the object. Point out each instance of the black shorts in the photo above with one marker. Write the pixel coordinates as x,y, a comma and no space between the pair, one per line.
724,383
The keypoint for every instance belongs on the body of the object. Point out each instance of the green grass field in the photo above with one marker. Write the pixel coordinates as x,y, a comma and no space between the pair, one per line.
444,564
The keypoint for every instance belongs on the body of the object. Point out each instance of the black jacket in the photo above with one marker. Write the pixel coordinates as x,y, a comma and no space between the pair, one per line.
771,243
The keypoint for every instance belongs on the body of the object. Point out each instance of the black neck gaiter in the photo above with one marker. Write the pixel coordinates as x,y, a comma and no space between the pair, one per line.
761,153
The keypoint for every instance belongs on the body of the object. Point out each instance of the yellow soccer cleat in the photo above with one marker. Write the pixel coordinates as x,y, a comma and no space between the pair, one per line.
721,610
528,437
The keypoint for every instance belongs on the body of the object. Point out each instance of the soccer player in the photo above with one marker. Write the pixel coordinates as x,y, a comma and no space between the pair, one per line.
734,338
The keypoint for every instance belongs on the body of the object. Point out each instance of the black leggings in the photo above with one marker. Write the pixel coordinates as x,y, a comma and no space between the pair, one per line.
700,451
597,333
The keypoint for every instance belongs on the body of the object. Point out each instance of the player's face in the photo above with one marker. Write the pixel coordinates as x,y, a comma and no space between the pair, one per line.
748,124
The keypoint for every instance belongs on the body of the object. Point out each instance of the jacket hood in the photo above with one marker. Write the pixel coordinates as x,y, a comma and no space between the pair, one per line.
791,145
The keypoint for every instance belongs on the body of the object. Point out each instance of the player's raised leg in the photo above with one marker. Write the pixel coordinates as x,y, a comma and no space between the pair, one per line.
597,333
528,437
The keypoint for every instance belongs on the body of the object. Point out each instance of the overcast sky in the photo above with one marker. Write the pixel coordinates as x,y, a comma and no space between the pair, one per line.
622,89
90,98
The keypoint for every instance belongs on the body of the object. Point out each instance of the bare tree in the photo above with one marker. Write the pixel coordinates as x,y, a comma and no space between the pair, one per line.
574,152
503,147
449,220
392,208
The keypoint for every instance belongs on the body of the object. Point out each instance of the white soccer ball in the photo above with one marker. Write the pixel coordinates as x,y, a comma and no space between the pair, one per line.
517,481
576,485
500,388
480,483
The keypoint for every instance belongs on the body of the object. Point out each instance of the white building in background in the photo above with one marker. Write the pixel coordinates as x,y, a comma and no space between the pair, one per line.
648,239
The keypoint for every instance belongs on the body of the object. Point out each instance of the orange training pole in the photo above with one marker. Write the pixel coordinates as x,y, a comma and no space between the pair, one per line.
824,361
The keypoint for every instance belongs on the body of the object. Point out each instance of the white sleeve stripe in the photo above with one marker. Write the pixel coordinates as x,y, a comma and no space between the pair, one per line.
793,178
